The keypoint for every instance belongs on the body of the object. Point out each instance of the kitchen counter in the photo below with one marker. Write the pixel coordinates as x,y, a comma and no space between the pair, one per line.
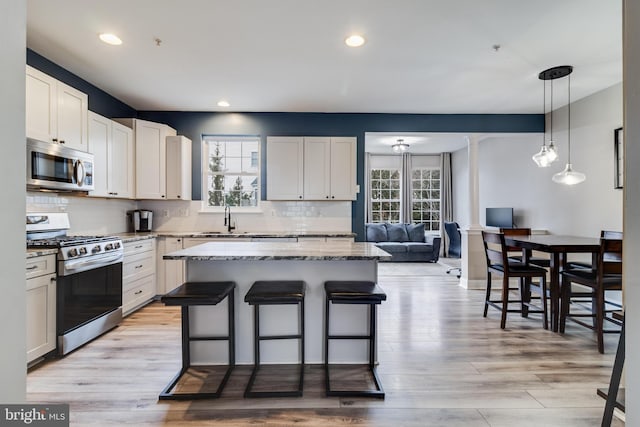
272,251
134,237
232,235
314,263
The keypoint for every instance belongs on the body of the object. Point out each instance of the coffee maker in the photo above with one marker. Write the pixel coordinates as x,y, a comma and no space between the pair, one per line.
142,220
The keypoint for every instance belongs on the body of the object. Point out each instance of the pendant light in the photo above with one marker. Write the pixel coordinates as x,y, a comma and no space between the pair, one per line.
400,146
546,155
568,176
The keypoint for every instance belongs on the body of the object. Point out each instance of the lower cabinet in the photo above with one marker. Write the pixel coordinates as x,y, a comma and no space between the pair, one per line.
138,274
170,272
41,306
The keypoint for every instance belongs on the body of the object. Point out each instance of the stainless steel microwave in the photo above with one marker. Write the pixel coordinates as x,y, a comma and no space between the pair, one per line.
52,166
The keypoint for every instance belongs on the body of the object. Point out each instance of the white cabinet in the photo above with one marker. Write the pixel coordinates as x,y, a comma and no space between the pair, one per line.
138,274
178,168
170,272
55,111
285,170
41,306
112,146
151,153
342,169
311,168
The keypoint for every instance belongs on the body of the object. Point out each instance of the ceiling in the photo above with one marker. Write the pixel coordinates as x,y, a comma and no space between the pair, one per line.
421,56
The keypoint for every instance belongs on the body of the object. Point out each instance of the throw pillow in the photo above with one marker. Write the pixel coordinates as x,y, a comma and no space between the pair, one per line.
416,232
397,233
376,233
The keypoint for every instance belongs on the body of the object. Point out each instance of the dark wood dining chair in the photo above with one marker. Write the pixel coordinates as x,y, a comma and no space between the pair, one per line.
499,263
607,234
606,276
539,261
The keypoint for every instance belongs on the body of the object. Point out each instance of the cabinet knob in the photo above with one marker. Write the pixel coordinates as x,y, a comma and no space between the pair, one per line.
333,197
178,196
326,197
299,197
162,196
62,141
54,139
53,279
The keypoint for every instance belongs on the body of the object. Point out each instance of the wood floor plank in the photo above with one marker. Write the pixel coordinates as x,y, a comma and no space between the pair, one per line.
440,362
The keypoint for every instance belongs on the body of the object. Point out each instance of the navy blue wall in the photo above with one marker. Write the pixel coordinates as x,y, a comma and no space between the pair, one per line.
195,124
99,101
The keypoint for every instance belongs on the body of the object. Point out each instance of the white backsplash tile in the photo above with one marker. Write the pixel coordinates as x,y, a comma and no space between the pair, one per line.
89,215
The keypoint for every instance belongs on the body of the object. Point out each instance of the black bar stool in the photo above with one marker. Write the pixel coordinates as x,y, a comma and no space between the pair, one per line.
275,292
353,292
201,293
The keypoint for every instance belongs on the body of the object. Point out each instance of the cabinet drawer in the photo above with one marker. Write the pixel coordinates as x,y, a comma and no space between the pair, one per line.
41,265
140,292
139,246
137,266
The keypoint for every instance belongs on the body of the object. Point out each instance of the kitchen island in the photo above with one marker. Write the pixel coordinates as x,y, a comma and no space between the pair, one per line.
312,262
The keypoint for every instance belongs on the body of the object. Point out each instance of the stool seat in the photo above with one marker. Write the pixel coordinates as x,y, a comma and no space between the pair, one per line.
275,292
355,291
198,293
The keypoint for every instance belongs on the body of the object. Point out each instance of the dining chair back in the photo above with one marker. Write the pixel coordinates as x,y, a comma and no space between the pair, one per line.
538,261
499,263
605,275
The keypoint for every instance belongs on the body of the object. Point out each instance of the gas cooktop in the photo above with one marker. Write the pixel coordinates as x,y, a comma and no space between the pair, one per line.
63,241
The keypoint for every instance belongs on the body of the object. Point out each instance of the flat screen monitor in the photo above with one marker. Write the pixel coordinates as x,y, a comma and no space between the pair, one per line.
500,217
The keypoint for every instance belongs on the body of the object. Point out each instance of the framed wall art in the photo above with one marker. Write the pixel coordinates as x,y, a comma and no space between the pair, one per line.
618,141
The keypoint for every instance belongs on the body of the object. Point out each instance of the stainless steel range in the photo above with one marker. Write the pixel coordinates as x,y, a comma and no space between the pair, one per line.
89,279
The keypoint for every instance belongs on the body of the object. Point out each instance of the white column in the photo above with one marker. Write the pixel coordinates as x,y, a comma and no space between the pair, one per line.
474,182
631,205
474,271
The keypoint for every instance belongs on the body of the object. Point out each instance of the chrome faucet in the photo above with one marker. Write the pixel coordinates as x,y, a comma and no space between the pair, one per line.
227,219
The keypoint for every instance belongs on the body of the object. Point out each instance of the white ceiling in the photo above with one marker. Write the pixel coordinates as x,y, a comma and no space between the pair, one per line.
421,56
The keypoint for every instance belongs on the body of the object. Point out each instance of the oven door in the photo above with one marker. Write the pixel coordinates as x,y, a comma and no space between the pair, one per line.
89,303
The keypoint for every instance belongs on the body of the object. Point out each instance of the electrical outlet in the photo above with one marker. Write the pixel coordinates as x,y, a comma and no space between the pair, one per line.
165,213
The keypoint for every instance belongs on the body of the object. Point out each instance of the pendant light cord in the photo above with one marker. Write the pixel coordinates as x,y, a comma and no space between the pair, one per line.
551,114
569,121
544,110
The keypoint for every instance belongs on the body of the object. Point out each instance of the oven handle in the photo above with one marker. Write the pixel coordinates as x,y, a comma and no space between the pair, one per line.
93,261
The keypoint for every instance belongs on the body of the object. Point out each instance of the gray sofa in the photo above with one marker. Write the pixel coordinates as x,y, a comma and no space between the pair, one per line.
404,242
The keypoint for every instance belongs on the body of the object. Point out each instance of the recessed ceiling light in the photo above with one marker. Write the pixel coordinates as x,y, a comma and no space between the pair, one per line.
110,39
223,103
354,40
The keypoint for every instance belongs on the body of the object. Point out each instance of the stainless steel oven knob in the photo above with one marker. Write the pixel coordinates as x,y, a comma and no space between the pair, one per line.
116,245
72,253
108,247
83,251
96,249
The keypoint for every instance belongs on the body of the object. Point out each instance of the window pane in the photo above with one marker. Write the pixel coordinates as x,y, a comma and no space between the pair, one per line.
233,170
375,174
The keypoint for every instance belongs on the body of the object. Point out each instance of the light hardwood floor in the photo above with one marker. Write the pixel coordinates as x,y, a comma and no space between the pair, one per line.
441,364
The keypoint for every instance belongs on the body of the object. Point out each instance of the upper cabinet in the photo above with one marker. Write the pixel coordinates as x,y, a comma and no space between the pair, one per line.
311,168
285,170
55,112
178,168
112,146
151,153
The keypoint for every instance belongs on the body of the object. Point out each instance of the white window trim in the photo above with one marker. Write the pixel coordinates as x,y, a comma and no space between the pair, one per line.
204,152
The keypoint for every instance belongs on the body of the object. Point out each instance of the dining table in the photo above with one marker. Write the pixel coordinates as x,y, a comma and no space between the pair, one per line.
557,246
